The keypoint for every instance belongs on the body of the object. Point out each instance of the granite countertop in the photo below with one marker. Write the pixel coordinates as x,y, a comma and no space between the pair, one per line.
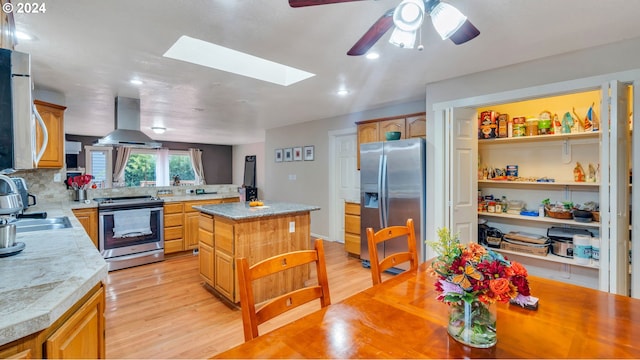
167,199
242,210
54,271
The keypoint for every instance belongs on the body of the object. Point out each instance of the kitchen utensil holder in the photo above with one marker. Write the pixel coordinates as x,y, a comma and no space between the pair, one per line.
80,195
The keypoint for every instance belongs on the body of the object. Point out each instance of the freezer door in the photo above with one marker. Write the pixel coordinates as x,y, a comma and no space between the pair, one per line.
370,193
405,190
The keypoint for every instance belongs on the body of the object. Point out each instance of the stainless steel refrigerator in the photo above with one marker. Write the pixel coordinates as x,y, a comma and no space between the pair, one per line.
392,189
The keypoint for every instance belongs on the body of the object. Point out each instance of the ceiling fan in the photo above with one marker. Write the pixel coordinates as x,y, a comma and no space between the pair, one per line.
407,18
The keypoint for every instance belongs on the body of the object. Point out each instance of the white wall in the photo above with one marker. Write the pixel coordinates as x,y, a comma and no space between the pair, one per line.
600,60
237,170
311,184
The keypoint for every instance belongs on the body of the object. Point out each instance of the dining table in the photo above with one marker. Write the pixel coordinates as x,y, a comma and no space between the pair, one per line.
402,318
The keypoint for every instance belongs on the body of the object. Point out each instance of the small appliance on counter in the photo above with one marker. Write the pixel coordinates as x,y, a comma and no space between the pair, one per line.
562,239
10,206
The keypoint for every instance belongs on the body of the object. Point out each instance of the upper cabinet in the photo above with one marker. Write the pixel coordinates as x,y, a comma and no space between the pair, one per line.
53,117
409,126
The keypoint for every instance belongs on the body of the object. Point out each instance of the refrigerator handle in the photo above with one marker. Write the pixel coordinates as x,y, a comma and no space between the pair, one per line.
380,187
384,201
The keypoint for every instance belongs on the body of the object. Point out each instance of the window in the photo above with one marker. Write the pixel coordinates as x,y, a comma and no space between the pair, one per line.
98,163
158,168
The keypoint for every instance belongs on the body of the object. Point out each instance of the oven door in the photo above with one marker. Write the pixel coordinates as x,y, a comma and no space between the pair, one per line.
116,240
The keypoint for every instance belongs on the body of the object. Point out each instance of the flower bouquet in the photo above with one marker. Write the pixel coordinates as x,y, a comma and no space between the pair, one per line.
471,279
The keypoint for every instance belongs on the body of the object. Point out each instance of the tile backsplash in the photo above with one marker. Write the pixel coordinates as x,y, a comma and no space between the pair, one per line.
41,183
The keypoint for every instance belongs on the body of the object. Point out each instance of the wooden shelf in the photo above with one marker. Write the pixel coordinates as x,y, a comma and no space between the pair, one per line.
545,219
539,138
550,257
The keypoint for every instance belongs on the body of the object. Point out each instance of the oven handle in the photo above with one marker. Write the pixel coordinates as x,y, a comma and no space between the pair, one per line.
103,213
136,255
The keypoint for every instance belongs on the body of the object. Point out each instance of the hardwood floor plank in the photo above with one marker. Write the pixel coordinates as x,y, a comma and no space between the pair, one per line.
163,310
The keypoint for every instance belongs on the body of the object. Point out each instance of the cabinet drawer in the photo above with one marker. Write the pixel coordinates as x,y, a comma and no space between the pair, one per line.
352,243
172,220
188,206
173,208
206,222
205,237
173,233
171,246
352,224
352,208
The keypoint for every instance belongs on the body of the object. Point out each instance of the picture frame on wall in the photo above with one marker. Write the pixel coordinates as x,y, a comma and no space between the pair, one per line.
308,153
288,154
297,153
278,155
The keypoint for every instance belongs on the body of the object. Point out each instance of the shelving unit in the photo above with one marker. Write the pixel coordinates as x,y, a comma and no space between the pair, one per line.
549,257
548,220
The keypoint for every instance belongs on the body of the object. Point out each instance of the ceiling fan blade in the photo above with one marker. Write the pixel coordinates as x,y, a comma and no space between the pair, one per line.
372,35
466,32
302,3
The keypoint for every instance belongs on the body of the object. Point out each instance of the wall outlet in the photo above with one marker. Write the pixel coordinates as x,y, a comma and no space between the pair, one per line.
57,177
292,226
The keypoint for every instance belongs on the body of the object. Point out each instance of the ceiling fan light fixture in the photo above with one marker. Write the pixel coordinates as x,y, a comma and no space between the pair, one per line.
446,19
158,129
403,39
408,16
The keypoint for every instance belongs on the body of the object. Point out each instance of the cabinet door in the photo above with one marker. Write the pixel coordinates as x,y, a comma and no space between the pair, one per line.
53,117
367,133
89,220
191,225
205,256
224,274
416,126
82,335
391,125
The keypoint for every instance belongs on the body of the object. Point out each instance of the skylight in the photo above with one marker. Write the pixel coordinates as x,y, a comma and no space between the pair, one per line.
219,57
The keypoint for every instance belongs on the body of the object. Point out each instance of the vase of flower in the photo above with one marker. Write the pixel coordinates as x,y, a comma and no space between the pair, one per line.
471,279
473,324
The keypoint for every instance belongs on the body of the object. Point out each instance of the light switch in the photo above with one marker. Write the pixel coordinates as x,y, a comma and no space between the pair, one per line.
292,176
57,177
292,226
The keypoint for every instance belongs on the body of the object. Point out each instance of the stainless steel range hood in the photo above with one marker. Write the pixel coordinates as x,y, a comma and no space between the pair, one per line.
127,123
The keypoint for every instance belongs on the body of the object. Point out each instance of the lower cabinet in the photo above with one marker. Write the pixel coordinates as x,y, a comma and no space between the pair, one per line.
79,333
205,243
89,220
352,228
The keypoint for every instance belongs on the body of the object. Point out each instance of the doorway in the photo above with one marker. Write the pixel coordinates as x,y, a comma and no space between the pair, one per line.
344,178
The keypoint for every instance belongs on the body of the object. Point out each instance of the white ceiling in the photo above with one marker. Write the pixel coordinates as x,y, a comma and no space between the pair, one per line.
90,49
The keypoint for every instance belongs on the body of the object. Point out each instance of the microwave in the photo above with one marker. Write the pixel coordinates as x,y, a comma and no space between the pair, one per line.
18,115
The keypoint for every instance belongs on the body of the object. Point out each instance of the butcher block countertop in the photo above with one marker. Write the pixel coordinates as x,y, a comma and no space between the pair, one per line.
54,271
242,211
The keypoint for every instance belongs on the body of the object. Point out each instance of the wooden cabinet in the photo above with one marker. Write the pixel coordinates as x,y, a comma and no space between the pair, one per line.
53,117
205,254
89,220
78,333
191,219
385,126
173,227
82,335
410,126
256,239
352,228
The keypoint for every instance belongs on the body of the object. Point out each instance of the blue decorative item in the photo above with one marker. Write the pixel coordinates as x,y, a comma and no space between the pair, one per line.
567,123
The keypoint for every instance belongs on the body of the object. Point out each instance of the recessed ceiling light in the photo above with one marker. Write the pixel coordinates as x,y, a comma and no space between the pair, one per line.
158,129
221,58
342,92
372,55
135,81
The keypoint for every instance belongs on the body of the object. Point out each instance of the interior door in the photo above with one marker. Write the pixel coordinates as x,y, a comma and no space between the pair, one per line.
462,170
347,175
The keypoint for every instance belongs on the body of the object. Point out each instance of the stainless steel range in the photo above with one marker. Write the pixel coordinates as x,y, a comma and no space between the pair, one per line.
131,230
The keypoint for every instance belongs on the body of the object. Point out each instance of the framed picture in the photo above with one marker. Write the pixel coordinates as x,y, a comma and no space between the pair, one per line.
278,155
297,153
308,153
288,154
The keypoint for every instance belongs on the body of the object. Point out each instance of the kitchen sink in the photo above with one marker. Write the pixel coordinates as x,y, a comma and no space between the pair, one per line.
27,225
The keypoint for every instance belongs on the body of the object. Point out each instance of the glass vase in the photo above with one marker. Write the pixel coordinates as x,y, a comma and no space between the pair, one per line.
473,324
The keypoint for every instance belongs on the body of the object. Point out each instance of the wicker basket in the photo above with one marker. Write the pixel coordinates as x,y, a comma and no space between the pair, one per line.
596,216
558,214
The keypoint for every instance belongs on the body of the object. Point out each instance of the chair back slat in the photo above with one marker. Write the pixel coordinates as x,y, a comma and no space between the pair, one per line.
392,232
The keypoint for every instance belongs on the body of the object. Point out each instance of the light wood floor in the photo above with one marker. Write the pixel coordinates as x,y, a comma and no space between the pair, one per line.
163,310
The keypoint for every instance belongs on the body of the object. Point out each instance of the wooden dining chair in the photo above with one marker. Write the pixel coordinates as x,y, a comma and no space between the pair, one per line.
388,233
251,317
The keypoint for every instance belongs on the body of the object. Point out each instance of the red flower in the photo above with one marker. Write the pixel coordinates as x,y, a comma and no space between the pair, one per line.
522,284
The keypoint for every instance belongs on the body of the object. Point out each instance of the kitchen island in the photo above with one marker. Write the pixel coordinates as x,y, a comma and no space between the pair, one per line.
52,296
234,230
